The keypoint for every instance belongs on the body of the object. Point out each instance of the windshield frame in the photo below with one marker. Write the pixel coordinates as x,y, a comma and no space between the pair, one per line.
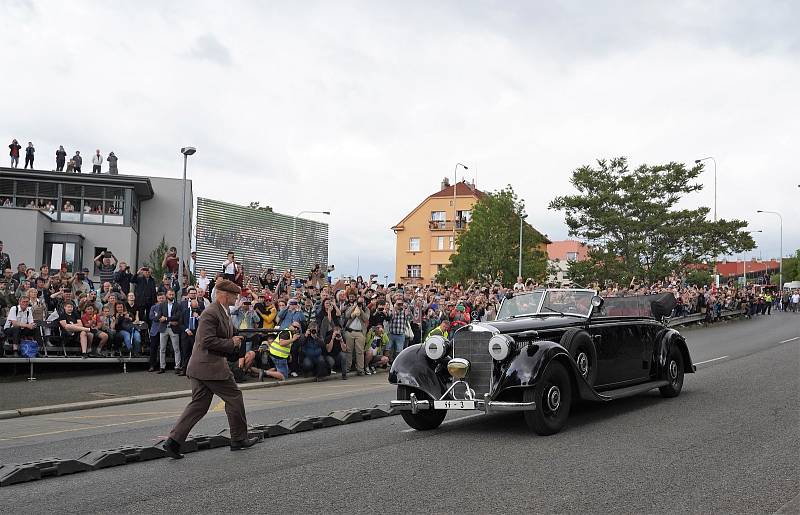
544,295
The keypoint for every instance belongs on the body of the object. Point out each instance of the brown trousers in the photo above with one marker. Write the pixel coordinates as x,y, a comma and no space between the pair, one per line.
202,393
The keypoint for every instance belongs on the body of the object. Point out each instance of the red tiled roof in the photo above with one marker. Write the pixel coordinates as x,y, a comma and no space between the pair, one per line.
559,249
463,189
732,268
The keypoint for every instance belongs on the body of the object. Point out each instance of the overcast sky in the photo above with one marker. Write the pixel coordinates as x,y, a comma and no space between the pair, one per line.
361,108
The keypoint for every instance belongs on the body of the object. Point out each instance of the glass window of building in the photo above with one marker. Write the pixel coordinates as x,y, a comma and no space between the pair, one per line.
414,271
413,244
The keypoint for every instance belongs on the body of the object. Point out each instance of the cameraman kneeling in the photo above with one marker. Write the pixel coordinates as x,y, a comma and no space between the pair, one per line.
311,347
336,350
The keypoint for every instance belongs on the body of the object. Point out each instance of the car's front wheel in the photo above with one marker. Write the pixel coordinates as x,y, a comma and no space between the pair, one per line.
553,397
674,373
423,420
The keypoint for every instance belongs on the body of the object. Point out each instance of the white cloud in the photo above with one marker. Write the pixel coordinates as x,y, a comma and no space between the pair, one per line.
362,108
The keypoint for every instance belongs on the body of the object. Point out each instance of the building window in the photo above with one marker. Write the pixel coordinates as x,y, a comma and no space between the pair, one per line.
63,248
414,271
440,242
450,240
438,220
572,256
413,244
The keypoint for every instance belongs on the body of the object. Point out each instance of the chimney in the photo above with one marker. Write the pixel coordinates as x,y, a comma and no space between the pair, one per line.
445,183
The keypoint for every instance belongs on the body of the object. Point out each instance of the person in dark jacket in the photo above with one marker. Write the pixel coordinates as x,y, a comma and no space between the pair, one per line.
61,157
15,148
312,347
123,277
77,161
112,164
29,151
145,291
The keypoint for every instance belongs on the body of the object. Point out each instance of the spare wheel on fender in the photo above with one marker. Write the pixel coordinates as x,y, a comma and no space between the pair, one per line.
581,347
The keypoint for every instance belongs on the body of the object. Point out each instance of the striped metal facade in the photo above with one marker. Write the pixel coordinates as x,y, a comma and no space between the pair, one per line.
260,239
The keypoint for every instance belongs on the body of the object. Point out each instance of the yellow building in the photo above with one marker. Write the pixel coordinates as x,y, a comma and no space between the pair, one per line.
425,236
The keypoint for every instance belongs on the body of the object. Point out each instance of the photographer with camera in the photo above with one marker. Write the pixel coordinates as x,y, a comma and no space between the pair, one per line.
191,309
376,343
336,351
328,318
124,326
122,277
144,291
245,317
105,262
279,352
356,319
312,347
266,311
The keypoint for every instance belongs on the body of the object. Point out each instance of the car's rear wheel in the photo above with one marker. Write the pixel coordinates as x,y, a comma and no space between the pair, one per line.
423,420
580,346
674,373
553,397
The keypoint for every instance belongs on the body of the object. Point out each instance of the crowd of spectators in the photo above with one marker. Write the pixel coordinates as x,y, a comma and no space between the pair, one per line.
292,324
74,164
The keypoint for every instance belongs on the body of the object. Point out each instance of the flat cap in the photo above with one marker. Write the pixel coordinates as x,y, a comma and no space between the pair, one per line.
228,286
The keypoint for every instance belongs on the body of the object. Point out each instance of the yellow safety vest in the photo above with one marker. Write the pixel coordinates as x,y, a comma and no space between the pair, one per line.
438,331
278,350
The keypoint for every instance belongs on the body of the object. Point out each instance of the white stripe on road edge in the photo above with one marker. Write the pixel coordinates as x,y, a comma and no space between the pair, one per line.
791,339
710,360
450,421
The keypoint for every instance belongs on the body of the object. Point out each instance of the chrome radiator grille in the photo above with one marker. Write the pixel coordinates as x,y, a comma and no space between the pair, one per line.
474,346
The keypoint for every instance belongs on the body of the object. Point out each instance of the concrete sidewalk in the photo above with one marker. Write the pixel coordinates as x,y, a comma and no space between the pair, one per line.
69,392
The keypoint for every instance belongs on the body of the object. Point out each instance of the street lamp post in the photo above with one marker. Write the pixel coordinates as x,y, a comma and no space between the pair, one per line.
186,151
697,162
294,227
522,217
455,212
780,273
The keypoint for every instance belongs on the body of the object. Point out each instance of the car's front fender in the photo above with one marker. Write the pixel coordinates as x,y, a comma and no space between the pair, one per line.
525,369
413,368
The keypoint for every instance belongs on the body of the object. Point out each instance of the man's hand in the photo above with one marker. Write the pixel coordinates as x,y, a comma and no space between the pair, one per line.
189,332
162,319
237,341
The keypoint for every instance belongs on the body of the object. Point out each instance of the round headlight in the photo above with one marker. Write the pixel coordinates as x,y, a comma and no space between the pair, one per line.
458,368
435,347
499,347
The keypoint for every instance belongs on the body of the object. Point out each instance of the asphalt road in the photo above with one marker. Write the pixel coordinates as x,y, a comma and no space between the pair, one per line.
729,444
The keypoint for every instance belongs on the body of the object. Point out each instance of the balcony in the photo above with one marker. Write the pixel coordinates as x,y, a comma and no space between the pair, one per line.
446,225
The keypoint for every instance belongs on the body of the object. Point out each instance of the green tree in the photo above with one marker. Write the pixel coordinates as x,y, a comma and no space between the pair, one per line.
632,220
699,278
488,249
791,268
156,258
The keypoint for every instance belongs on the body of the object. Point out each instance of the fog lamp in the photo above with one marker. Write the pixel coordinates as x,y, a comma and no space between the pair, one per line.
458,368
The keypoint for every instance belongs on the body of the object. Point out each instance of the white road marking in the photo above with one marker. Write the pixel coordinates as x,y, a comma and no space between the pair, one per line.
450,421
791,339
710,360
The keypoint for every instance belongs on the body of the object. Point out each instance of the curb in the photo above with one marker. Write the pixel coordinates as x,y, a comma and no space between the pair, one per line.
15,473
104,403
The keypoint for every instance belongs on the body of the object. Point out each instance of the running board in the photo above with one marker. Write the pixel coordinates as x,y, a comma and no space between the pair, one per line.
630,391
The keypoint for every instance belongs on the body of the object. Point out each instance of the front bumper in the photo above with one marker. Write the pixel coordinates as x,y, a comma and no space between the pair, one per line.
414,406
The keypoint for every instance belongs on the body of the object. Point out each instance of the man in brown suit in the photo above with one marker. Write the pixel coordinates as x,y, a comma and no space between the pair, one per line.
209,374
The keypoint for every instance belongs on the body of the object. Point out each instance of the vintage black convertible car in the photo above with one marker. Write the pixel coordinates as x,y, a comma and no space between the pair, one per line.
546,350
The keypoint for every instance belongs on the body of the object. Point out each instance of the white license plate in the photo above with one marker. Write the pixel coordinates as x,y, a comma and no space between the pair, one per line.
453,404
